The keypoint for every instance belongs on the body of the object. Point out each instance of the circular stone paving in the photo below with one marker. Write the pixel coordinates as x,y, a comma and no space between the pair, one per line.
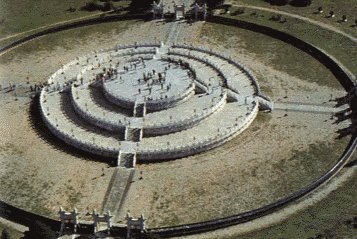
150,102
158,83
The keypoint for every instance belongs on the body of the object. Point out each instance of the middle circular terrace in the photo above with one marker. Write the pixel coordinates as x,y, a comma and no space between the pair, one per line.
149,102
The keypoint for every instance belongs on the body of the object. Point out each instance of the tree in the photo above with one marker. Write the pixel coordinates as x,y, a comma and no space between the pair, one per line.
91,6
141,5
212,4
300,3
94,5
41,230
107,6
5,234
279,2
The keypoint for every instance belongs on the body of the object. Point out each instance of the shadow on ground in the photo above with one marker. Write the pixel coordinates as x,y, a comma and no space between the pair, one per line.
44,133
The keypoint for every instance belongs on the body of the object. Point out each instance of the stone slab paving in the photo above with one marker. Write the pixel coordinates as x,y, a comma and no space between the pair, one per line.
117,190
308,108
213,127
129,87
70,131
205,74
195,108
237,79
175,26
89,109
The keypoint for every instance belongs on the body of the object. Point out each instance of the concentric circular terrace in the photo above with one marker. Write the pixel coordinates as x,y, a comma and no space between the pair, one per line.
149,102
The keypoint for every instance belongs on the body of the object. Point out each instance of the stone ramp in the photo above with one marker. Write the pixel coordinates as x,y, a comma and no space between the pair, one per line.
117,189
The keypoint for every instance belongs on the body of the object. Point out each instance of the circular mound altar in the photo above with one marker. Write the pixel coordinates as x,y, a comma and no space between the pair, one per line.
149,102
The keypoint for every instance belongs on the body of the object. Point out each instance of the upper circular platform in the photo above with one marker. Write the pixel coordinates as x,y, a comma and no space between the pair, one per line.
156,82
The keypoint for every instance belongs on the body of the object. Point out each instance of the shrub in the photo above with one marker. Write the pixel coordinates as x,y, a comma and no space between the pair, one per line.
41,230
140,5
94,6
279,2
300,3
5,234
107,6
91,6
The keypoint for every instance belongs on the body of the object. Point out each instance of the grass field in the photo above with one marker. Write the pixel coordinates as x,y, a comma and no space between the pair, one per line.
335,44
348,7
281,56
67,38
18,16
330,218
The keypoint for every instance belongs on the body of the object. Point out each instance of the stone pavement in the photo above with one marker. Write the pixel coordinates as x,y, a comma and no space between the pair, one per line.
301,107
117,189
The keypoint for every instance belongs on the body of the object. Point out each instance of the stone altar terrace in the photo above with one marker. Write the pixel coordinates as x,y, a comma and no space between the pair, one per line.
149,102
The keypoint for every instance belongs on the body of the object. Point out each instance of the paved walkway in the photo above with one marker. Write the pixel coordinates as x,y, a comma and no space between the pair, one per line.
175,27
117,189
310,108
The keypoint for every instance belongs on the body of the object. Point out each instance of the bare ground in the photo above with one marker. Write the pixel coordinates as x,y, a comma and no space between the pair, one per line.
342,180
278,154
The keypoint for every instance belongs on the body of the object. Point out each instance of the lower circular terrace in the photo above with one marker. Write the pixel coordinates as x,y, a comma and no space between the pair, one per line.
149,102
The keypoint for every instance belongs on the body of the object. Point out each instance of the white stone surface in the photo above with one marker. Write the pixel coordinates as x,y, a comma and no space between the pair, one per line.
90,101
